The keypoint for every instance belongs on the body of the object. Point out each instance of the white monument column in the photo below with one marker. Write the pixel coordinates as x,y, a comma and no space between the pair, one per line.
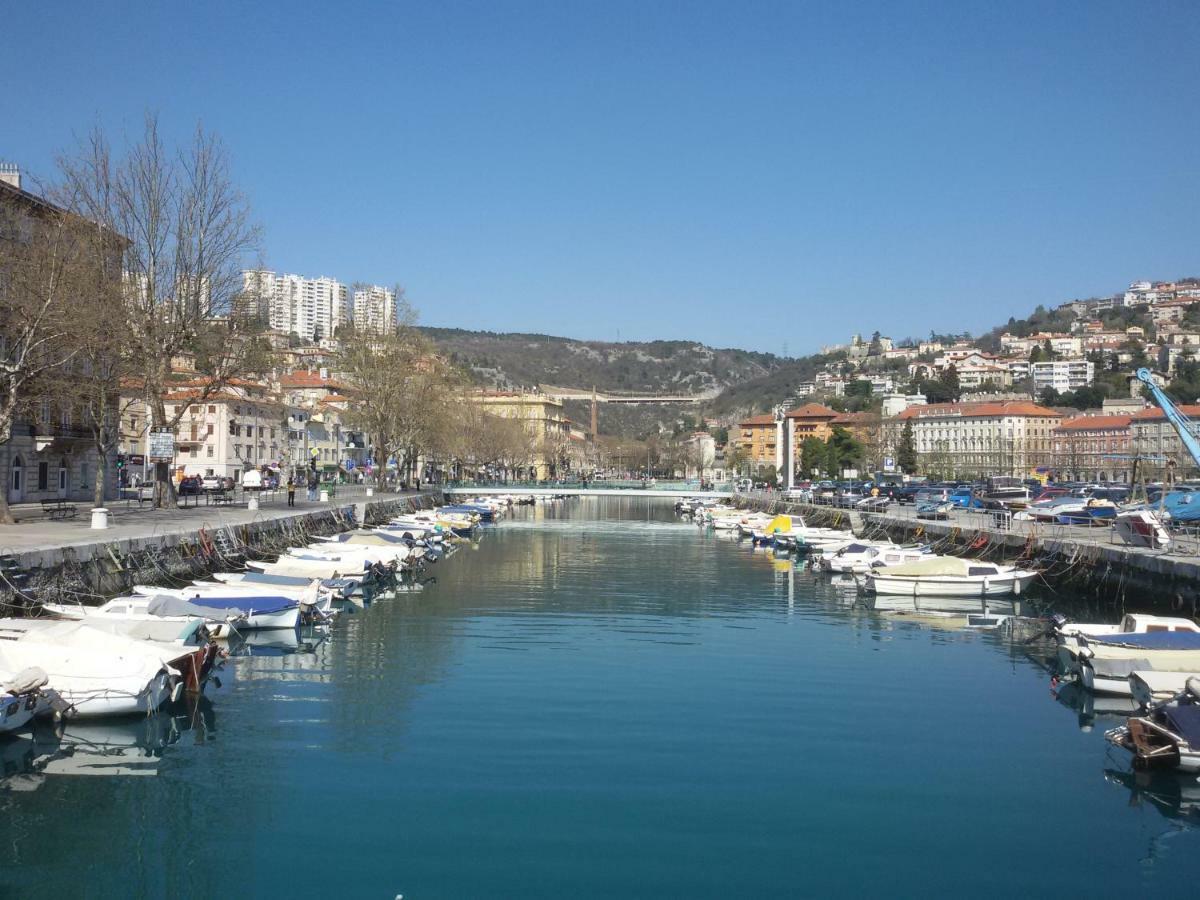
791,453
779,439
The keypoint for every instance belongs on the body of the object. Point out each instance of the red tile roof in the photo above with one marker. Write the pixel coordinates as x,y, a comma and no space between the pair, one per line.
980,410
1096,423
812,411
306,380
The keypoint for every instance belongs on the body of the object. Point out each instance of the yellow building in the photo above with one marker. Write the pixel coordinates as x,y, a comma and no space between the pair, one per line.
548,453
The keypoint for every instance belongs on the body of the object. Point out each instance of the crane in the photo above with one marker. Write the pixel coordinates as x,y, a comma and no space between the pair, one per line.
1183,425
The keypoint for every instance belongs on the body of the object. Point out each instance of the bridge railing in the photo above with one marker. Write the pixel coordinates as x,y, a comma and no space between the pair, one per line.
599,484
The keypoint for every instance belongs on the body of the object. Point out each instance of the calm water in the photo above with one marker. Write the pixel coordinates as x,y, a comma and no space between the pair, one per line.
600,701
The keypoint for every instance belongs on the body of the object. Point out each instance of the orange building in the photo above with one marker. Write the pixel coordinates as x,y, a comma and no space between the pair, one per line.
757,439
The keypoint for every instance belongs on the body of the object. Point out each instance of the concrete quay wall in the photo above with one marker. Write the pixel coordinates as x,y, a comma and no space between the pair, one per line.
92,570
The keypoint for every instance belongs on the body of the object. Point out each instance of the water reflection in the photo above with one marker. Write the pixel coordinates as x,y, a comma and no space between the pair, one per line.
103,747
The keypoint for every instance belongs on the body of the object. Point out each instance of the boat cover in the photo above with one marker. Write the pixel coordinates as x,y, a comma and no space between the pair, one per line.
26,680
217,607
853,548
779,523
1154,640
938,565
281,580
1185,721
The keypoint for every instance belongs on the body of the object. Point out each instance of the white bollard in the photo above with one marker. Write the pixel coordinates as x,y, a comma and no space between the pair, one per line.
324,496
370,492
252,503
99,518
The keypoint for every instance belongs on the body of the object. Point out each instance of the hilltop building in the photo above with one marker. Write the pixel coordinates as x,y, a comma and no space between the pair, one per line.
311,308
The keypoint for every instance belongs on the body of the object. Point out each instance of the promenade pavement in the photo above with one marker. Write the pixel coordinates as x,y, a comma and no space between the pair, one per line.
33,532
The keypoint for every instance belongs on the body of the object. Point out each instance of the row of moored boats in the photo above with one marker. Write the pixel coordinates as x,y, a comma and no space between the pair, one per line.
135,653
1153,661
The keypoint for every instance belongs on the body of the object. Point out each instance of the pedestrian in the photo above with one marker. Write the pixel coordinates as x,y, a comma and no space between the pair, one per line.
291,491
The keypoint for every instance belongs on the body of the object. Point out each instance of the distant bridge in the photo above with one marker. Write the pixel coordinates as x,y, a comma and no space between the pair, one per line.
566,393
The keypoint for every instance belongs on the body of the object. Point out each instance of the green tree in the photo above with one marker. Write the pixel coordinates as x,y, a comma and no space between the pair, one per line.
906,452
842,450
950,380
1049,397
812,456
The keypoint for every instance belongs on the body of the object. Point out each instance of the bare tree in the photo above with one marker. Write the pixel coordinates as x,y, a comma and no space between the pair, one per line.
401,389
187,232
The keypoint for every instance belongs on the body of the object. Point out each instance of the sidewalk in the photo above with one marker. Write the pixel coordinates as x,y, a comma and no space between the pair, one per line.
39,534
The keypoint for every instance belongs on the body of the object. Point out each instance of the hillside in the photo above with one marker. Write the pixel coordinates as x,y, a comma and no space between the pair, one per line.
508,360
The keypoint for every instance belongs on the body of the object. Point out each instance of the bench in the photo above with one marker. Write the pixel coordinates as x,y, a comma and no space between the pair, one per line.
219,497
58,509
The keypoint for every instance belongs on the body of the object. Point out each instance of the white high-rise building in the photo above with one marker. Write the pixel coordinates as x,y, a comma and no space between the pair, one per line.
312,308
375,309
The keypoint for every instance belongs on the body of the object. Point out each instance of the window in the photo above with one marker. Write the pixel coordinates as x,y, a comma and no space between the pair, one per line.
249,431
43,478
211,410
209,430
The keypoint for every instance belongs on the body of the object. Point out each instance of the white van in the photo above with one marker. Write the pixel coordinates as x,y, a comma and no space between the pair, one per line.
252,481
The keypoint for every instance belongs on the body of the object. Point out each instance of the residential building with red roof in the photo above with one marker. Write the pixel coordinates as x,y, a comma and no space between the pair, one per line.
1088,447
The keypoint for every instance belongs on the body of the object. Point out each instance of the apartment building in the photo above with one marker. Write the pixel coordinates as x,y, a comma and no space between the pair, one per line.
375,309
1062,374
757,439
311,308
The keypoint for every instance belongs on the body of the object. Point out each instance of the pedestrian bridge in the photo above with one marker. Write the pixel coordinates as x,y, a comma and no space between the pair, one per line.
515,490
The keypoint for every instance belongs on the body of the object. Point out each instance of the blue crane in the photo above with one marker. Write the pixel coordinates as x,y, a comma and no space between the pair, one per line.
1183,425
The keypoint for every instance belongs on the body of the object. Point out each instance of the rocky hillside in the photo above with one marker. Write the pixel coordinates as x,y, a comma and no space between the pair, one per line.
523,360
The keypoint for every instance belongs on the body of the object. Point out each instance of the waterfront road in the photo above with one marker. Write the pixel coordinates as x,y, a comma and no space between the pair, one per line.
35,533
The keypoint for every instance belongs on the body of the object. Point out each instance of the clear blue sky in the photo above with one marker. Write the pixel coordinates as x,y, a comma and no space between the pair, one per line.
746,174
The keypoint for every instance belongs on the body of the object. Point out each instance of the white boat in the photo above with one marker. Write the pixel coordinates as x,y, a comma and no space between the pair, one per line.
1106,661
134,608
263,609
1142,528
948,576
97,673
1067,634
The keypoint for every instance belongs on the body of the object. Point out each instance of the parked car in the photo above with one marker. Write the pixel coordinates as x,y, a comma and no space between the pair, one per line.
963,497
848,498
907,493
252,480
191,484
934,509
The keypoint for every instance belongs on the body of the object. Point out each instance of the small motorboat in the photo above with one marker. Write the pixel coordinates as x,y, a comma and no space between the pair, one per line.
97,673
1106,661
1167,735
262,610
1067,634
860,556
948,576
134,608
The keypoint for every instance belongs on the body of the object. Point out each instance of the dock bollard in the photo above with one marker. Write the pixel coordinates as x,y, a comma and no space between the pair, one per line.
99,518
324,496
370,492
252,503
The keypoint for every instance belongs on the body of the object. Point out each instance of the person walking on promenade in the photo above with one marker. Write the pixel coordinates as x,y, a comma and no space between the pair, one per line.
291,490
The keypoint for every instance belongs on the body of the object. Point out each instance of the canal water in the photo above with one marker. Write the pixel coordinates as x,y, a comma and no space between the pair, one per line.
599,700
